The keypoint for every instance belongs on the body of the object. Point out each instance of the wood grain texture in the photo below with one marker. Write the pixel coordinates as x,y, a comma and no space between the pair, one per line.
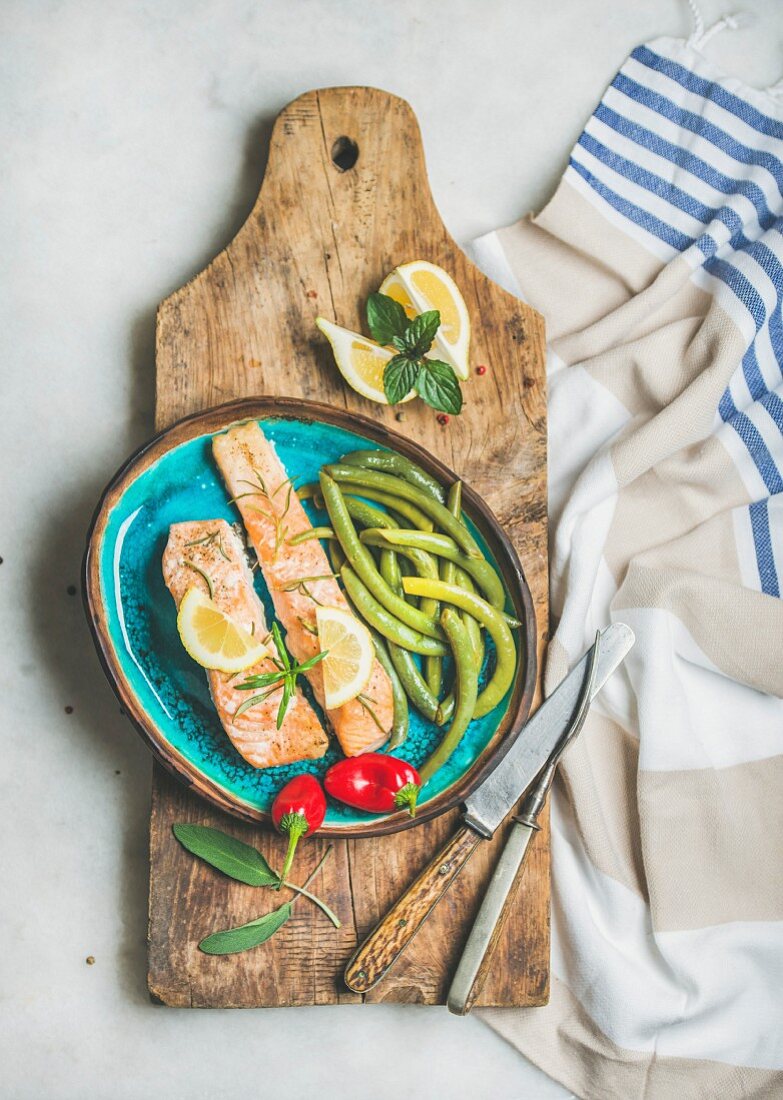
406,917
318,241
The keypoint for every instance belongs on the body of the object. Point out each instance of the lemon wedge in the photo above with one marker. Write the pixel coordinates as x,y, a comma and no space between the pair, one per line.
419,286
212,638
360,361
347,666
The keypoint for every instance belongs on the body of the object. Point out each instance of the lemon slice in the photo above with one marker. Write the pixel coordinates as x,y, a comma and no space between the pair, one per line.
361,361
347,667
212,638
419,286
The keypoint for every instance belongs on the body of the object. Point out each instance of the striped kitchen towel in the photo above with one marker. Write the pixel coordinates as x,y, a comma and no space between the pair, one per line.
658,265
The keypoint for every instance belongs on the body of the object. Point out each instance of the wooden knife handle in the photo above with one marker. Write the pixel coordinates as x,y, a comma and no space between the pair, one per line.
389,939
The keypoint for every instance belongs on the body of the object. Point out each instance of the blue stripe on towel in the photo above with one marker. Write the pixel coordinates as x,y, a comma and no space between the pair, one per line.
708,89
698,125
688,161
747,265
762,538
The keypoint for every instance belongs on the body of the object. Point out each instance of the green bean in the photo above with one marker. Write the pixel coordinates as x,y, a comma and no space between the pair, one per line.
426,566
390,570
312,533
336,556
466,692
396,487
400,719
308,491
457,573
472,625
442,546
447,573
489,617
366,514
415,686
384,622
433,676
410,512
392,463
445,710
454,505
361,560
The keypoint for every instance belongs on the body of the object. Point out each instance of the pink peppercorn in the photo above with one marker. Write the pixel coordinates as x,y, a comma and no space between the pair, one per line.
481,369
442,418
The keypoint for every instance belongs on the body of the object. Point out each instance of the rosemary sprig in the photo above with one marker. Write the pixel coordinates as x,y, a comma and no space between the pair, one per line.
365,701
210,538
204,576
286,675
300,585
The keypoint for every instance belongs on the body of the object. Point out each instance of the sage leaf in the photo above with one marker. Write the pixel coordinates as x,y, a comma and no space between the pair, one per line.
229,855
399,378
420,333
437,384
246,935
386,318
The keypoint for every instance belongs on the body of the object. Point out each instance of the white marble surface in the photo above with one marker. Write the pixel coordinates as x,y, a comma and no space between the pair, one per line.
133,139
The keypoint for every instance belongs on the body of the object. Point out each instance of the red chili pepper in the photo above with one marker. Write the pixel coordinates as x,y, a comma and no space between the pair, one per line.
374,782
299,808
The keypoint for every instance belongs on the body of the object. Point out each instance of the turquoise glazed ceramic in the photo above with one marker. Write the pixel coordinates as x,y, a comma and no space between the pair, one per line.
166,692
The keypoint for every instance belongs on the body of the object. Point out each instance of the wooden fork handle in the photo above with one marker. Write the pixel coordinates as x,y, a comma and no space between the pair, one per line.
389,939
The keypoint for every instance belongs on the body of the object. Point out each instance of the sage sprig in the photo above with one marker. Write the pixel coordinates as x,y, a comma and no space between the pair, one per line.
233,857
246,864
434,381
287,674
245,936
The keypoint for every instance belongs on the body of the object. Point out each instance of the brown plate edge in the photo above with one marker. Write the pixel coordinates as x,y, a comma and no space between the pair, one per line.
219,418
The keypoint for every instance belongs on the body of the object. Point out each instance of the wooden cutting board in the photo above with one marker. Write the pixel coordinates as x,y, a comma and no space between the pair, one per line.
344,199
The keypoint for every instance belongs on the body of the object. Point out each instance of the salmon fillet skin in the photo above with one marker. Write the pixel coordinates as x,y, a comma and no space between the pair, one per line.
272,514
214,547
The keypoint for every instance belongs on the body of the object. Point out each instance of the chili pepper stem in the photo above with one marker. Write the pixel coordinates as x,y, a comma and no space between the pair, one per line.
294,826
406,796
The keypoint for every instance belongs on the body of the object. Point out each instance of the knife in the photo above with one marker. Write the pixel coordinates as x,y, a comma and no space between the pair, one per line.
484,810
474,964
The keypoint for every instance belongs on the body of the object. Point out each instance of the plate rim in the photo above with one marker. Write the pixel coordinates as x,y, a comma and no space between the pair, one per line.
220,418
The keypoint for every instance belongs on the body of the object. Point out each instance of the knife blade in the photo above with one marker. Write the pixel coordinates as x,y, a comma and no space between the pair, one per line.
490,803
474,965
485,809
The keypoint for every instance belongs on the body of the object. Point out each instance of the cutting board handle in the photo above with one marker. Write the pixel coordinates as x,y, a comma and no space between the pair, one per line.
389,939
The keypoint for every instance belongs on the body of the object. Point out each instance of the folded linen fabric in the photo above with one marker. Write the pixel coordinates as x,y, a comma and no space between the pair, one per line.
658,265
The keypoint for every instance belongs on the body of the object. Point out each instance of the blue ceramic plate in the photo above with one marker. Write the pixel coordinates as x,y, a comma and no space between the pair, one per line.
165,691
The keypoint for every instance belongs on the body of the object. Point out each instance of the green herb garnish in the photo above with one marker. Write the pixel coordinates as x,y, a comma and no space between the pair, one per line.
204,576
210,538
434,381
244,863
287,674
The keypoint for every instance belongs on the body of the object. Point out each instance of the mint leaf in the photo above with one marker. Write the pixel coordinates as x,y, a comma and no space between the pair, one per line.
386,318
437,384
399,378
420,333
246,935
229,855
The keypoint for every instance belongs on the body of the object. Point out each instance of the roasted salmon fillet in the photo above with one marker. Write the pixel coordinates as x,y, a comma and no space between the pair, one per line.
214,548
299,577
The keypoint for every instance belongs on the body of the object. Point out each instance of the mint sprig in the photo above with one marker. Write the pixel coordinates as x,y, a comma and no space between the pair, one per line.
434,381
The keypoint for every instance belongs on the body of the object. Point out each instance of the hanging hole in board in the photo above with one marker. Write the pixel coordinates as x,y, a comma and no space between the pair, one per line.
345,154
